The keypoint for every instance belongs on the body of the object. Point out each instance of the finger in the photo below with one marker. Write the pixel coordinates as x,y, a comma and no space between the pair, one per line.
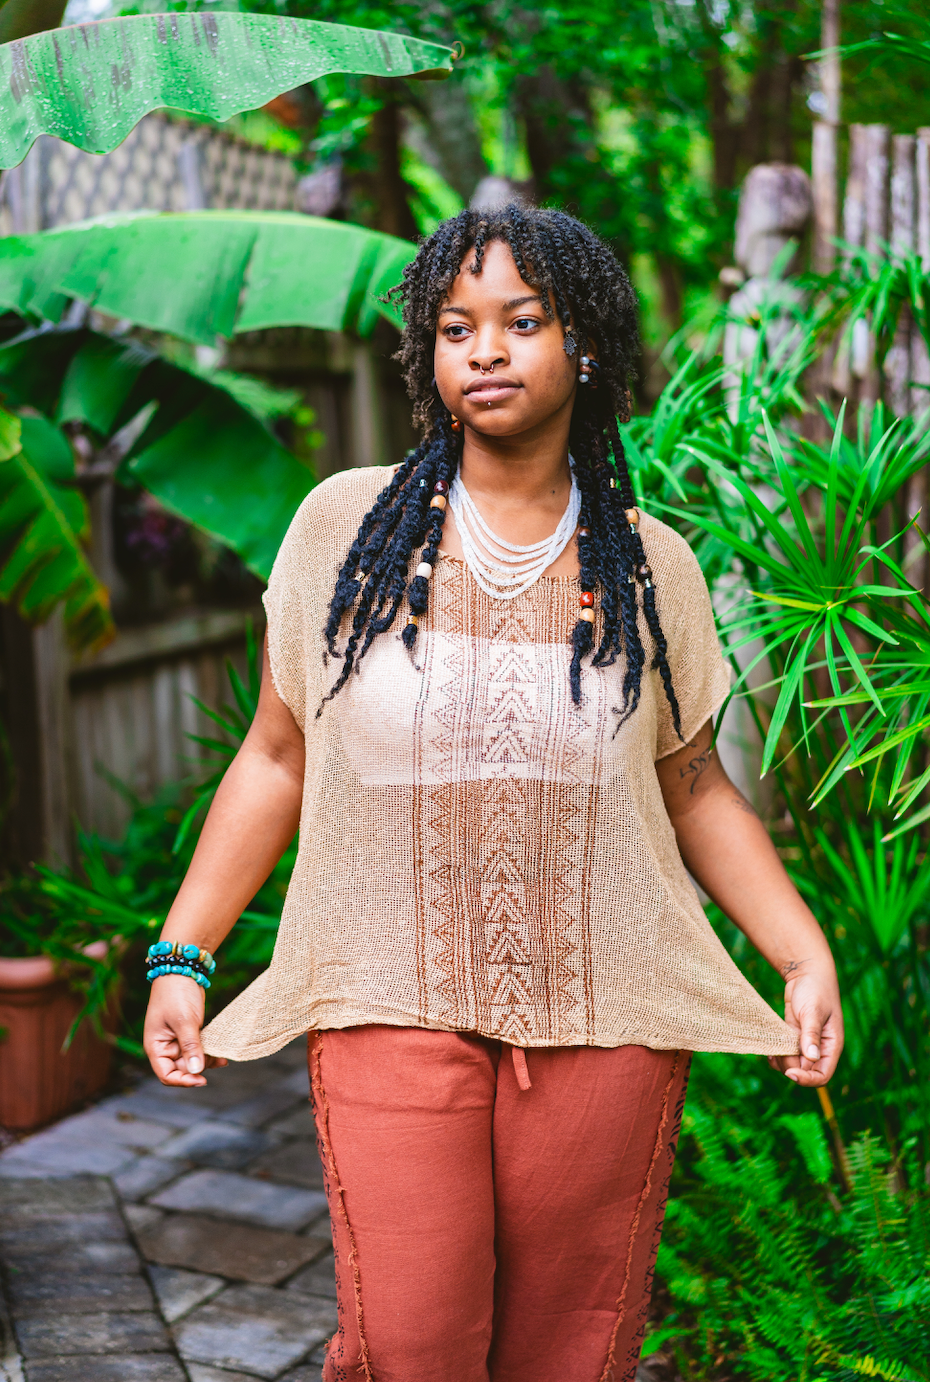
811,1031
192,1058
168,1070
808,1079
182,1079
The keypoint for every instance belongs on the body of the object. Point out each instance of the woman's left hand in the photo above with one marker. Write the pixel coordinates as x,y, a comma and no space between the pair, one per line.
812,1005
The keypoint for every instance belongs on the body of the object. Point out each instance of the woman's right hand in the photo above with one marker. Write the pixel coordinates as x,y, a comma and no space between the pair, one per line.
172,1031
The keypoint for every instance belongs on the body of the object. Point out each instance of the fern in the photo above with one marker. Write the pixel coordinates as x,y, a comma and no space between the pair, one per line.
769,1269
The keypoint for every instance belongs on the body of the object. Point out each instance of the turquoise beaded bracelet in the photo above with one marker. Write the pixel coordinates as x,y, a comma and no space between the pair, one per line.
174,957
186,970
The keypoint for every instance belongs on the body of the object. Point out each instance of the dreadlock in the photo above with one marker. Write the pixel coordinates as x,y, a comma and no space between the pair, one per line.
580,280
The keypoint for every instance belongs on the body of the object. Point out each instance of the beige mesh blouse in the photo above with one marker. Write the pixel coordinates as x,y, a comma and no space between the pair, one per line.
476,852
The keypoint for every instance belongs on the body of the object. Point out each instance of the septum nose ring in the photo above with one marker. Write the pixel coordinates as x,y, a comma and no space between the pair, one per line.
489,370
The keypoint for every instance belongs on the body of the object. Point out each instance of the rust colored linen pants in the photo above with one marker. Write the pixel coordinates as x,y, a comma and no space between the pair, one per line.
496,1214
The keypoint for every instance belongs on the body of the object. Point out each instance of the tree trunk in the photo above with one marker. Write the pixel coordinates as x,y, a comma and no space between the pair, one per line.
453,136
393,210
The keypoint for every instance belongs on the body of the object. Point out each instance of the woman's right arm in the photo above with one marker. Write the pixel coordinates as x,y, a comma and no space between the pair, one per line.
252,820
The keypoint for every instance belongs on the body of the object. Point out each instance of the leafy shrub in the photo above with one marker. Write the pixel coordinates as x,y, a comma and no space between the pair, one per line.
122,890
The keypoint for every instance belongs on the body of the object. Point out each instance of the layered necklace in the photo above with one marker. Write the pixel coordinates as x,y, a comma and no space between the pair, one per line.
506,569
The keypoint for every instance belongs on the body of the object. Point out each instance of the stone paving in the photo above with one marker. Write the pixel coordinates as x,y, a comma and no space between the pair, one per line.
171,1236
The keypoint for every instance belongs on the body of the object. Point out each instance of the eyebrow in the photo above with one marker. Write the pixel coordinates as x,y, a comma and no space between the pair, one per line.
505,307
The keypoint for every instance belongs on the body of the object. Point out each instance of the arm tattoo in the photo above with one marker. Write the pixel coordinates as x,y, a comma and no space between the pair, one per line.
740,801
791,967
695,767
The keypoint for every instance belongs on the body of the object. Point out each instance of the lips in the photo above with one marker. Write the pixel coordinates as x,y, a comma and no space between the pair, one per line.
490,389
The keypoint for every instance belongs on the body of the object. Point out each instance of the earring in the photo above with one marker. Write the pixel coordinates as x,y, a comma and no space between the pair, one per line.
587,371
456,424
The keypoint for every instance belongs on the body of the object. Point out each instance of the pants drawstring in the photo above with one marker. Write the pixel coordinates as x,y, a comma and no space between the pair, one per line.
519,1068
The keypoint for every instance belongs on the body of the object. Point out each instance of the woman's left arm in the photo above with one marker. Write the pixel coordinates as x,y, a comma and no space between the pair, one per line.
727,849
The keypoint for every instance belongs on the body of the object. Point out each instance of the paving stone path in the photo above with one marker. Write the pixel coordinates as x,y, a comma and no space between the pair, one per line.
171,1236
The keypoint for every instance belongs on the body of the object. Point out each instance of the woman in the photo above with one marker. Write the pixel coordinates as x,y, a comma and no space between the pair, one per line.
487,698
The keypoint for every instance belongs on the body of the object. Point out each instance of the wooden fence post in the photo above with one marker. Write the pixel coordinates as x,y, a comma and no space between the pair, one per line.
920,360
824,163
903,219
369,444
849,354
876,138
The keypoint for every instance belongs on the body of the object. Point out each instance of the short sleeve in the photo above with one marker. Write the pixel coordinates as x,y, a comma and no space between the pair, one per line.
700,676
285,603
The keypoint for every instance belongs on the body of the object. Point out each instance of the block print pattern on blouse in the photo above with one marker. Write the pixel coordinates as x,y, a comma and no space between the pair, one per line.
464,825
471,708
500,934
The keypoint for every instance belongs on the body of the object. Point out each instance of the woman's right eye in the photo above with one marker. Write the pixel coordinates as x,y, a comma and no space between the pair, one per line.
456,331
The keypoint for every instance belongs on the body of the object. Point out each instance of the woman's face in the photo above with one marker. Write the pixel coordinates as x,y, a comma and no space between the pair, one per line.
494,318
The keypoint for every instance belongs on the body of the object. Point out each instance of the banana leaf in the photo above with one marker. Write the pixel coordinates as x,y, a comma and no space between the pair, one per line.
203,454
90,84
42,561
203,274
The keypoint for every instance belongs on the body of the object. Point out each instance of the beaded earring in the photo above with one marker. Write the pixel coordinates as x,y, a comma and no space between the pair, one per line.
587,371
456,423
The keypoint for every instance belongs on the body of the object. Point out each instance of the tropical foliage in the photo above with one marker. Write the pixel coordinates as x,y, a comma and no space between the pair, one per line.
643,121
789,1280
181,433
798,1232
213,65
200,443
205,274
43,526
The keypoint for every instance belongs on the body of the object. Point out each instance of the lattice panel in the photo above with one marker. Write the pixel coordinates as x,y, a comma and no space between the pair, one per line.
234,175
163,165
142,174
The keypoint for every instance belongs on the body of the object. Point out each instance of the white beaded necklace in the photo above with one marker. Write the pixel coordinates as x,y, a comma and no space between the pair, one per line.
504,569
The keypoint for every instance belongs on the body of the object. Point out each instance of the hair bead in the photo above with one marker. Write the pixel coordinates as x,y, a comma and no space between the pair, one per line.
424,570
438,501
586,599
440,487
587,615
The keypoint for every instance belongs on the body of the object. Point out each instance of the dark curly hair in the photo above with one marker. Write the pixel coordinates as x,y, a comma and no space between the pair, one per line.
596,307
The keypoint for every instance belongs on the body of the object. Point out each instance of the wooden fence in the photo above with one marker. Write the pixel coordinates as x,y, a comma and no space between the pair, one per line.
882,204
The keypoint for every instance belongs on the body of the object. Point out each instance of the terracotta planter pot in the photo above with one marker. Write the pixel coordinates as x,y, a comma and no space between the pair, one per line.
39,1081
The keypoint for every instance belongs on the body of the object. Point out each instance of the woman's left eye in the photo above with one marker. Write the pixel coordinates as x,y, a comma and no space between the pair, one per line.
525,323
